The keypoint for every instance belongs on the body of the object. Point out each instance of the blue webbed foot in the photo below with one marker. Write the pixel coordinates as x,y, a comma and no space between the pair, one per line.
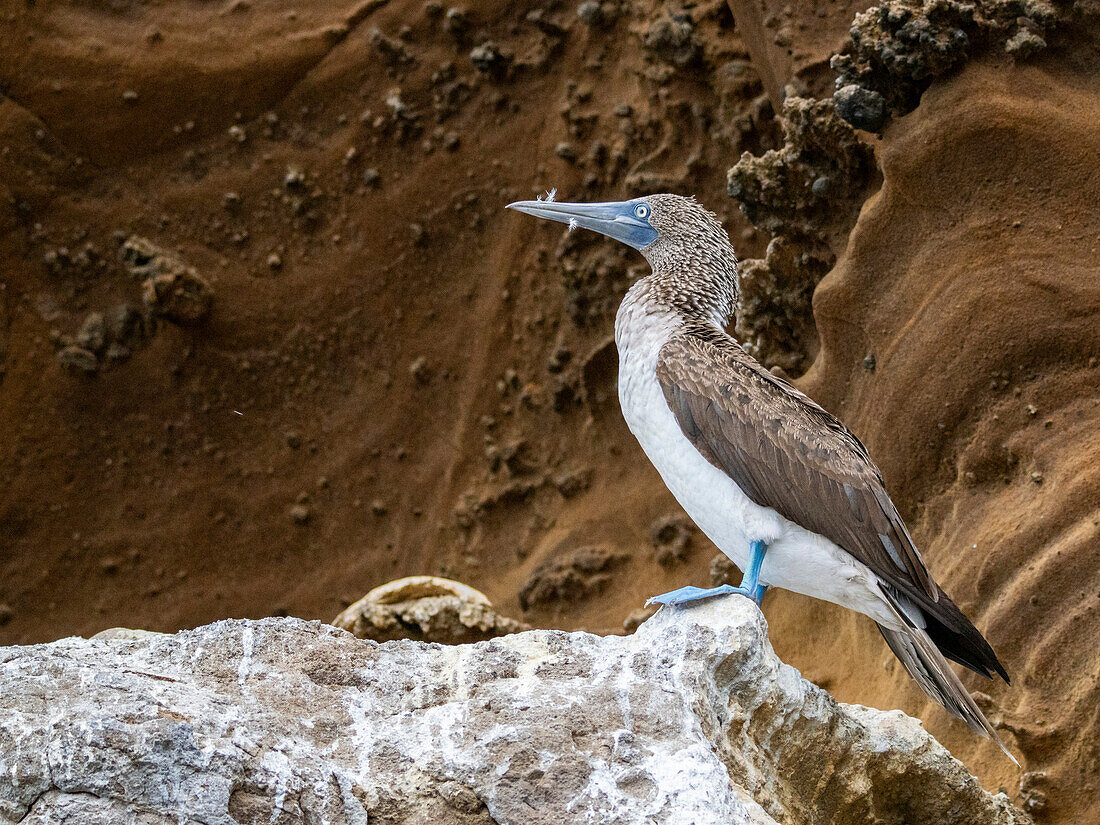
750,585
686,595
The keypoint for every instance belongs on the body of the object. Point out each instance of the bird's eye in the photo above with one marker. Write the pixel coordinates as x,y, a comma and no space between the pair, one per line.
641,211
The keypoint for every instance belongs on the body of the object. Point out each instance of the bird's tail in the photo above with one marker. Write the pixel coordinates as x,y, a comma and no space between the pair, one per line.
924,662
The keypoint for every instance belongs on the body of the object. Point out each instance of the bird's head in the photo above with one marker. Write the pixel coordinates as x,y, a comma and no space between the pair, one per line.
694,266
654,224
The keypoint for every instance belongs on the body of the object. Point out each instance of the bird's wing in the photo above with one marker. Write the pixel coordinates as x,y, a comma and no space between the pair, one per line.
787,453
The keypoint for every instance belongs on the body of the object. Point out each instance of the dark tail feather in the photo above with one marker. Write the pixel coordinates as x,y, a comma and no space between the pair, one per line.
957,639
924,662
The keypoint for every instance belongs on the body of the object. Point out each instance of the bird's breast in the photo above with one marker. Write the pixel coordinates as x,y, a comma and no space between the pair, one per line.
710,497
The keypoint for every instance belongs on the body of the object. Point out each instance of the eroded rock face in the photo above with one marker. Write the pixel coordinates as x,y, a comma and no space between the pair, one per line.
570,576
988,341
691,720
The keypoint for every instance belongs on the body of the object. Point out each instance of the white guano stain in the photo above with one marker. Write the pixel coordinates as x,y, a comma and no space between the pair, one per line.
245,666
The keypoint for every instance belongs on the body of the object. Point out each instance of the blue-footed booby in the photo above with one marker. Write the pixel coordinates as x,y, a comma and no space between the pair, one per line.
782,487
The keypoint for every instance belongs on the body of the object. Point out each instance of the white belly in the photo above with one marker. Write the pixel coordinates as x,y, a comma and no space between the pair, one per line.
796,559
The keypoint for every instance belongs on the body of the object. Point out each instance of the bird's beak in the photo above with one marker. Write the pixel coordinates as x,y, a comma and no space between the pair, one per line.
616,220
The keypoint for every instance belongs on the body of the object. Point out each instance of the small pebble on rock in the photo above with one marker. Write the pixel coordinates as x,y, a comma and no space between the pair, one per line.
490,60
863,108
456,22
93,333
418,369
566,152
78,360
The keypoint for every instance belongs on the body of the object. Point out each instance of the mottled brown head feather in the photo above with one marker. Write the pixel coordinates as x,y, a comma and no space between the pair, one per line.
694,264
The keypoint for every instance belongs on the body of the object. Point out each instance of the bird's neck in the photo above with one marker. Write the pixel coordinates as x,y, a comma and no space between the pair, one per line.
698,282
683,292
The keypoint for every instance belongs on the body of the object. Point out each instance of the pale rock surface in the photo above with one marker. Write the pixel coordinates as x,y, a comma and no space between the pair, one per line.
426,609
690,720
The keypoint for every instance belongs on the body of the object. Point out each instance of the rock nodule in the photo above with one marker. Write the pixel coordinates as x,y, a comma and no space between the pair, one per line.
426,609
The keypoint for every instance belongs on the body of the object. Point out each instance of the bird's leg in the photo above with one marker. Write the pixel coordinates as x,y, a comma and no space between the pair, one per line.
750,584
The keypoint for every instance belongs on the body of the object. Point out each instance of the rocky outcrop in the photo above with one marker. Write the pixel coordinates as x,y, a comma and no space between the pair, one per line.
806,195
896,49
691,720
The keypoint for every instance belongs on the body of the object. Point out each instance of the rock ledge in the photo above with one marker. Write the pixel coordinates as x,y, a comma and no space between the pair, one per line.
691,720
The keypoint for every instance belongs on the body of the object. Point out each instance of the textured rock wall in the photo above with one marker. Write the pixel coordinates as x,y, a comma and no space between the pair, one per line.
691,720
966,302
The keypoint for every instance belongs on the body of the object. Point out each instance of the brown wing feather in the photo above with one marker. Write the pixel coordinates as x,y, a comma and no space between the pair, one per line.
787,453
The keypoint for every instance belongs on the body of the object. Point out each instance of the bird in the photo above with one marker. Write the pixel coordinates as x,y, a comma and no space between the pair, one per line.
780,485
